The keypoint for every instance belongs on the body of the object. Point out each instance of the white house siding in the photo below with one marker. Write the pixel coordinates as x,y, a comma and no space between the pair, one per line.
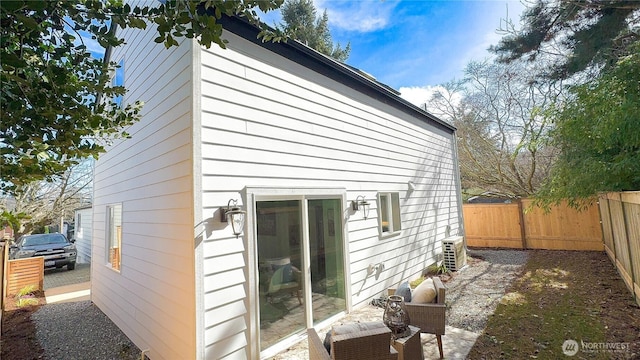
267,121
82,234
152,298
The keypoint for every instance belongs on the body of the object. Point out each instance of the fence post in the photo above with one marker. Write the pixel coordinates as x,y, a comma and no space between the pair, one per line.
613,236
523,233
2,278
627,231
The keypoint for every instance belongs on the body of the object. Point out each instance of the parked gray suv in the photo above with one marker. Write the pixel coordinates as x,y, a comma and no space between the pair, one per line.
56,249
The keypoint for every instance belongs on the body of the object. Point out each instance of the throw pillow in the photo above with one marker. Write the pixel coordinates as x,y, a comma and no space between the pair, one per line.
425,293
287,272
405,291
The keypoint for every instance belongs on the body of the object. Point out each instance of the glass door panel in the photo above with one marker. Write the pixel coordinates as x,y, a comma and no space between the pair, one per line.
327,259
280,277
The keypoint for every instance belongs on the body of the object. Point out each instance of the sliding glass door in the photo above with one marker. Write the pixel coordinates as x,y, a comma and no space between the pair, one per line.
326,258
281,243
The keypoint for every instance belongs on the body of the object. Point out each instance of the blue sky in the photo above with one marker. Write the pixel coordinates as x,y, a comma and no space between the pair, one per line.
416,44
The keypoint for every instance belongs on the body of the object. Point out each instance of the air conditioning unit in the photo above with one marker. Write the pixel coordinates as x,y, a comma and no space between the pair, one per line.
455,256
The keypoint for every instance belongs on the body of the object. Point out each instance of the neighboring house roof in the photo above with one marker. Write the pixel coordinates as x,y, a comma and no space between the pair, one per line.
325,65
489,197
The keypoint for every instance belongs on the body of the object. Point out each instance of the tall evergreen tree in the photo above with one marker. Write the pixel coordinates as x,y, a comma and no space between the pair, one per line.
300,22
577,34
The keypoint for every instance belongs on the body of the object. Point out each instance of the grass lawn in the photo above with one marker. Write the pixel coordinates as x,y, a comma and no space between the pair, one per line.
563,296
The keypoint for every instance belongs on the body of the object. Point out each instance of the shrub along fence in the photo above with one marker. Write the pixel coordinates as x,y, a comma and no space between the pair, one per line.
521,226
620,214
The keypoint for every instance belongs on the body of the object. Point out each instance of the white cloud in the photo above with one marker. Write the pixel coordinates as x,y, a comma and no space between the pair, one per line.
360,16
512,9
421,96
418,95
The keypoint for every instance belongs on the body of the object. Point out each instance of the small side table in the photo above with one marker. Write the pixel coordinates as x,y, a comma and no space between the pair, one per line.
409,347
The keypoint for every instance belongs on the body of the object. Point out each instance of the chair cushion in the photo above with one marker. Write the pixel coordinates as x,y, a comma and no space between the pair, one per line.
355,327
327,341
424,293
287,272
405,291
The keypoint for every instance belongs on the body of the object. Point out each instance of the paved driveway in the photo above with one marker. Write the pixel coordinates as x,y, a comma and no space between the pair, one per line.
62,277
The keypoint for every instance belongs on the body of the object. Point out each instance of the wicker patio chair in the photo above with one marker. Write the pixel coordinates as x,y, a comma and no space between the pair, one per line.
430,318
374,344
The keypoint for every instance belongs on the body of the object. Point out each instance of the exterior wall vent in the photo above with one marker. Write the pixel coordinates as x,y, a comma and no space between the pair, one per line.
455,256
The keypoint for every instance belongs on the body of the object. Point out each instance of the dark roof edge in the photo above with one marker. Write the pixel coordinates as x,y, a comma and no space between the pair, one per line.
320,63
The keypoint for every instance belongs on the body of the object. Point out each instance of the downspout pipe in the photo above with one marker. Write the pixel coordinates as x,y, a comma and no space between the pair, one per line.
458,180
107,58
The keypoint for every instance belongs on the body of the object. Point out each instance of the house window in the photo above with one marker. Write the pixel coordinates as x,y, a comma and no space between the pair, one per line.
118,80
389,213
114,235
78,222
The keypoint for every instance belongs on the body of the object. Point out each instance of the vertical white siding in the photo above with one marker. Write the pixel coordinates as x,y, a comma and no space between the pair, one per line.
152,298
267,121
82,234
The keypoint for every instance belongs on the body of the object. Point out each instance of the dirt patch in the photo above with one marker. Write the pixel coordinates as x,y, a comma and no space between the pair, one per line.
564,296
18,340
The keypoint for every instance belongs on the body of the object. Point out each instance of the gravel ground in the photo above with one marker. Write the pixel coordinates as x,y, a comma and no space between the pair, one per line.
474,292
472,295
94,336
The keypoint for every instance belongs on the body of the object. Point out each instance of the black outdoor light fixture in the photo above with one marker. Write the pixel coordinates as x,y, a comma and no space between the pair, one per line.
361,203
235,215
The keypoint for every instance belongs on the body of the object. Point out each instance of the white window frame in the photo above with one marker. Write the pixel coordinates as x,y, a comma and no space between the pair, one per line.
109,234
393,210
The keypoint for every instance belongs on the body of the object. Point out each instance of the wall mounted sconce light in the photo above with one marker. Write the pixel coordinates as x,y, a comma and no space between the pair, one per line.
234,215
359,204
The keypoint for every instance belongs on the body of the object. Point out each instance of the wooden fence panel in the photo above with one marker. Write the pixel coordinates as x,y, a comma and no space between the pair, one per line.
24,272
620,240
624,231
563,228
607,230
492,225
632,214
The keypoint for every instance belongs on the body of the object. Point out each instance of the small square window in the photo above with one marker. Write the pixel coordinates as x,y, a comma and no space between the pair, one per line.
114,236
389,221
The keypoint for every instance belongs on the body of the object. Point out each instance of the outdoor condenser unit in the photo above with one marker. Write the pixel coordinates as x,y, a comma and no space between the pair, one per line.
455,256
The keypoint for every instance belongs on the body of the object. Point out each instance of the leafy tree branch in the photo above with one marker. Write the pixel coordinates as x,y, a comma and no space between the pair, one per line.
57,98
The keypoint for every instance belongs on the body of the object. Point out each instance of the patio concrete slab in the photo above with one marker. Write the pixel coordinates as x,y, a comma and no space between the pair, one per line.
456,343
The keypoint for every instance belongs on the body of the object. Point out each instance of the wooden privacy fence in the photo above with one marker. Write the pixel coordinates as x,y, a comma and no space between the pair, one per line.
23,272
620,214
510,226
